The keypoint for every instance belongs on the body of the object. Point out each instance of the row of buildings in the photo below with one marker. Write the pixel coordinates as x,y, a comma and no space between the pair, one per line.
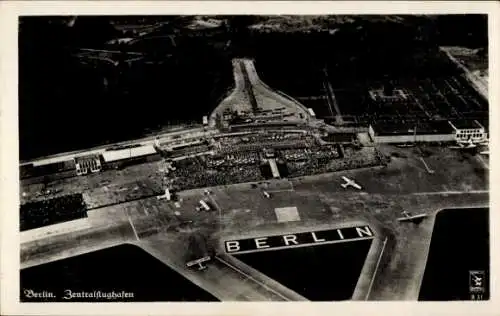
431,131
113,158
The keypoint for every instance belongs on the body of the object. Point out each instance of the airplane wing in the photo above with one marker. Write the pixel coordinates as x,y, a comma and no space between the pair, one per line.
346,179
412,218
357,186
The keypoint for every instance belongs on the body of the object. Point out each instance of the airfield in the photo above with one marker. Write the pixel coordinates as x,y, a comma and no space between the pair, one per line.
395,262
294,236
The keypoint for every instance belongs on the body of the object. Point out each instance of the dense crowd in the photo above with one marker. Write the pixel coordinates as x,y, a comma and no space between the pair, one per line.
233,159
203,171
353,159
309,153
52,211
29,170
254,141
238,167
189,151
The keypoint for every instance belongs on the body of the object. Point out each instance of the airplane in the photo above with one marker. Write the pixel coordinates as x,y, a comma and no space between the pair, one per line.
203,206
477,280
198,262
412,218
350,182
167,195
469,144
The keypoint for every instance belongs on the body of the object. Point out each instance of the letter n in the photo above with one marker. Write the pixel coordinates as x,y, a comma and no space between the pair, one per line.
364,231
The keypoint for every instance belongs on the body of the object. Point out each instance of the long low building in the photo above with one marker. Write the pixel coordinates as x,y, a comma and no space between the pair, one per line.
121,157
431,131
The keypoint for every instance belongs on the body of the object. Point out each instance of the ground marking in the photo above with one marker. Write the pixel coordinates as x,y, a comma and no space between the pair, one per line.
218,209
132,225
376,269
430,171
250,277
277,191
485,165
292,189
452,192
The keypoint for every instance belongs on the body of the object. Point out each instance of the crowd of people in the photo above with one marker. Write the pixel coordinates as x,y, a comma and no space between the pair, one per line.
308,153
327,161
237,161
199,172
237,158
265,139
189,151
52,211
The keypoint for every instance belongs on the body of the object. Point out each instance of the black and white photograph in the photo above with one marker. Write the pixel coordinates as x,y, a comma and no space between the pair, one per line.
253,158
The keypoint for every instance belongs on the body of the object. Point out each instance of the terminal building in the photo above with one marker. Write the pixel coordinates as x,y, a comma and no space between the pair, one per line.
87,164
398,133
431,131
468,129
114,158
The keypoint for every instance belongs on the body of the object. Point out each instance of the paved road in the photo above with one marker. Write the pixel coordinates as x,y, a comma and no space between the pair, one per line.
266,94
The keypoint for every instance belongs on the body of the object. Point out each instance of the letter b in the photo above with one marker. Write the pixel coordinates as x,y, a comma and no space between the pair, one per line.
232,246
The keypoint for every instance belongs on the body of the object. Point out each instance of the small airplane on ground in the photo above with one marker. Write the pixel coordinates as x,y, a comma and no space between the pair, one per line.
203,206
198,262
412,218
167,195
350,182
468,144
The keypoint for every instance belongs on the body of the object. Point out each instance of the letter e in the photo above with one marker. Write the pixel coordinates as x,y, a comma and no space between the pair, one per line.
261,243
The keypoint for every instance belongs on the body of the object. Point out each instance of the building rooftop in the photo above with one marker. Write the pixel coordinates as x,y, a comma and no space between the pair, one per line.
114,155
408,128
466,123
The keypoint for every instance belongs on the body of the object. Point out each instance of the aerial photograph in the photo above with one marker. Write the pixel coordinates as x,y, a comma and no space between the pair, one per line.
223,158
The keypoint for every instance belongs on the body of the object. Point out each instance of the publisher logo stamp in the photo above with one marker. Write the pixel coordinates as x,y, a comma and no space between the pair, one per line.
477,283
